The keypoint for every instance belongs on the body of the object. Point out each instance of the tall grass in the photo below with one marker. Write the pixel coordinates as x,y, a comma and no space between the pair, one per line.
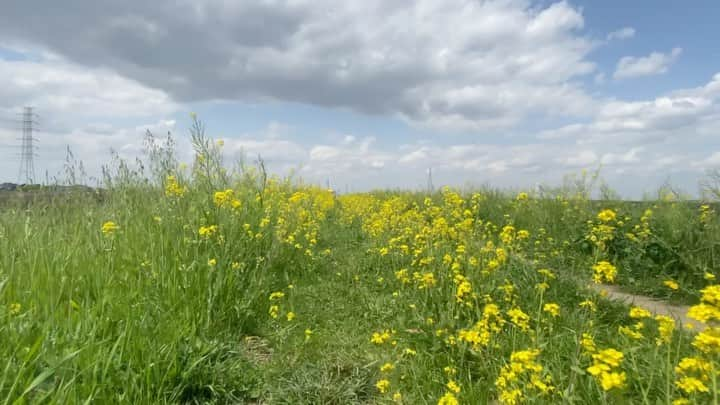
174,304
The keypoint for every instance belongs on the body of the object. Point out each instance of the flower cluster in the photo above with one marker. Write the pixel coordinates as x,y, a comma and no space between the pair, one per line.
522,378
606,364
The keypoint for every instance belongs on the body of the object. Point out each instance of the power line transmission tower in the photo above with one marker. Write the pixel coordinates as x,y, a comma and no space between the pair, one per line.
430,186
26,173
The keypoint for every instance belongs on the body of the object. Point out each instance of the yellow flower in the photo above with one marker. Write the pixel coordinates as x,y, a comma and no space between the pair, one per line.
630,333
212,262
691,385
448,399
693,364
290,316
547,273
380,337
597,369
173,188
109,228
711,294
588,343
611,357
606,215
397,397
708,341
387,367
308,334
639,313
612,380
671,284
522,196
709,276
704,312
274,311
383,386
223,198
206,232
276,295
14,308
453,386
588,304
666,326
427,280
450,370
552,308
604,271
519,318
511,397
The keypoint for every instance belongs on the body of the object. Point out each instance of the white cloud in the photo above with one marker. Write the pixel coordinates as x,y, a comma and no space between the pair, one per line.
623,33
349,159
456,64
680,116
78,107
654,64
583,158
55,86
630,156
712,161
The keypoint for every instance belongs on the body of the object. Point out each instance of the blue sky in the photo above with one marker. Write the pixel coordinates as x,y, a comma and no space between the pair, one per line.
510,93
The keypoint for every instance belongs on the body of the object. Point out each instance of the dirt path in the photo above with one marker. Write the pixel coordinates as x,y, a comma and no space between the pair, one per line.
657,307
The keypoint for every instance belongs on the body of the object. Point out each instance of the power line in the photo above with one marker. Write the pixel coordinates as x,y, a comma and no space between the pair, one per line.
26,174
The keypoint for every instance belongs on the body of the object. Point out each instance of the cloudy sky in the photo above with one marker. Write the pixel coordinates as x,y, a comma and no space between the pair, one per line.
371,94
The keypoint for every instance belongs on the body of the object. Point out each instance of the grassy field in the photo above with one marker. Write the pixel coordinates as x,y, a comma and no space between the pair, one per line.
203,285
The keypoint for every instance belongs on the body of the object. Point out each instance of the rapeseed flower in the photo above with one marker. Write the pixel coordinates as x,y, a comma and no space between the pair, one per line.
206,232
552,308
381,337
691,385
666,326
604,369
612,380
604,271
276,295
383,386
14,308
448,399
639,313
173,188
606,215
453,386
109,228
708,341
519,318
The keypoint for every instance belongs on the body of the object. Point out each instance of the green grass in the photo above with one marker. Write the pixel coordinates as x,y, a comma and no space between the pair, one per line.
140,315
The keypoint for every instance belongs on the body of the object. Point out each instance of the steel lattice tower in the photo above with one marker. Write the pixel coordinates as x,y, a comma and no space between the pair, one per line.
27,149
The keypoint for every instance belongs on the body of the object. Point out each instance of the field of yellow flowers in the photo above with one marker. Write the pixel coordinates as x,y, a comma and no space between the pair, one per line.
204,285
